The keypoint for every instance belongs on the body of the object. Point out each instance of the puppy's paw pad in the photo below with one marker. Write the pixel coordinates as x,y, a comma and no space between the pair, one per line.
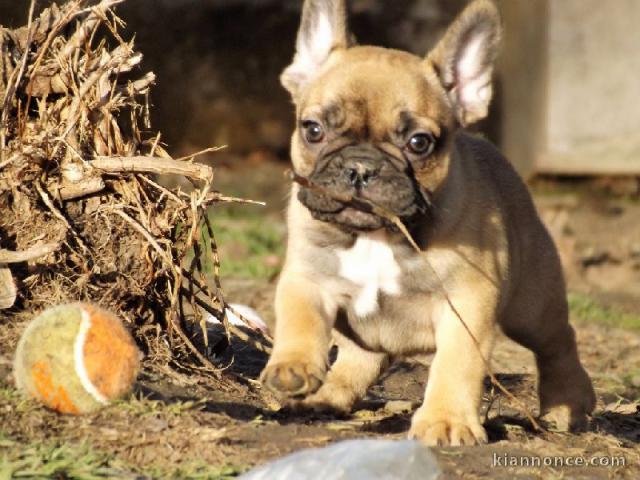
332,397
292,379
325,405
445,433
313,408
565,419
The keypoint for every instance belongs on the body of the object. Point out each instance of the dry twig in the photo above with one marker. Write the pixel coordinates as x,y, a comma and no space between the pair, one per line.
359,204
155,165
35,252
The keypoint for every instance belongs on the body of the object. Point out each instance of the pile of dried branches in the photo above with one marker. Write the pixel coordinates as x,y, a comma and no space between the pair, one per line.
81,217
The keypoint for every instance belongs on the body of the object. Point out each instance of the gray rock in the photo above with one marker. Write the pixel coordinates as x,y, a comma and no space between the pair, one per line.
354,460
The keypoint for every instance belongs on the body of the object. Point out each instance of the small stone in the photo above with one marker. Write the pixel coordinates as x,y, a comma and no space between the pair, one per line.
624,408
398,406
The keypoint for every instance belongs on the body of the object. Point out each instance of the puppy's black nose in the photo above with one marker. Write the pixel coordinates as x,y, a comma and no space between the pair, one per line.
359,175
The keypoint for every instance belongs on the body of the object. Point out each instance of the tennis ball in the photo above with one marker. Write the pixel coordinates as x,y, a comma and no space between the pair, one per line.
76,358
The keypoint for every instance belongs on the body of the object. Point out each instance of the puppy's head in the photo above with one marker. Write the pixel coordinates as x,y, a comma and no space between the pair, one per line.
378,123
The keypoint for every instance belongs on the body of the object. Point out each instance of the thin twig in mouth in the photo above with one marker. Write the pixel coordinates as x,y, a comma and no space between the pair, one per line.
362,204
358,203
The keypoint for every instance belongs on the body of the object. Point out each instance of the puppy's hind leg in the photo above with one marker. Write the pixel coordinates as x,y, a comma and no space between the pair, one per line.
349,378
564,387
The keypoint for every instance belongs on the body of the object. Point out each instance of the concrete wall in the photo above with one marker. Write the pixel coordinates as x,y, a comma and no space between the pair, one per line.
571,93
594,86
522,82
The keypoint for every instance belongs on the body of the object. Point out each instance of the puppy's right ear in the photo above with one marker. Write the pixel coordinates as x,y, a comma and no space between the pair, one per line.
323,29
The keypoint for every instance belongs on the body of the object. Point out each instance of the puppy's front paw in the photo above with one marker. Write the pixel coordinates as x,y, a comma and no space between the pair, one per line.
292,378
442,432
330,398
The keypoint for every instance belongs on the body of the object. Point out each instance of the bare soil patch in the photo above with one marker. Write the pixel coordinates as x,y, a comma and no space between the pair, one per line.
177,422
174,422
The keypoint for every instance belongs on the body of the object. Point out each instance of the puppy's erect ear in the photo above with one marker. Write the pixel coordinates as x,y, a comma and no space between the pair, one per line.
323,29
464,60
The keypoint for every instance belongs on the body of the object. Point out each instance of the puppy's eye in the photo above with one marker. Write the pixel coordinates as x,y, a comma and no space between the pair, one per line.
421,144
313,131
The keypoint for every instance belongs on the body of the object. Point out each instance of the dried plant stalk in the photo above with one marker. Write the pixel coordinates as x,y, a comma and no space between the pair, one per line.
76,181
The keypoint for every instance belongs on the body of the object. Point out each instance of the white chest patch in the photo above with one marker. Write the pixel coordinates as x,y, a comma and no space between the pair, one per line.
371,266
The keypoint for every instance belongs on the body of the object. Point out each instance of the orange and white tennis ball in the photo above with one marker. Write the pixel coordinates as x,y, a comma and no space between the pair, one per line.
76,358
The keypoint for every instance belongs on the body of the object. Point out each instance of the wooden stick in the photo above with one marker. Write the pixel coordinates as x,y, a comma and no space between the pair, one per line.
88,186
8,161
218,197
37,251
369,207
156,165
60,216
152,241
140,86
162,189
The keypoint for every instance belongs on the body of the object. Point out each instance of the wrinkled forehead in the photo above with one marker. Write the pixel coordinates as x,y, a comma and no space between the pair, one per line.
376,92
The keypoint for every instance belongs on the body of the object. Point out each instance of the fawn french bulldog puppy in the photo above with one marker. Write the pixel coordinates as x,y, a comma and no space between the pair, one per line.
388,127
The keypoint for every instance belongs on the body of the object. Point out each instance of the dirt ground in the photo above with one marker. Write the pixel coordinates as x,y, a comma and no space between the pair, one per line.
180,426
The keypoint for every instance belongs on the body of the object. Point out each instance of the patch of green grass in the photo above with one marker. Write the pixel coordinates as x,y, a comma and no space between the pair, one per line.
10,395
585,308
141,406
57,458
81,462
250,242
46,461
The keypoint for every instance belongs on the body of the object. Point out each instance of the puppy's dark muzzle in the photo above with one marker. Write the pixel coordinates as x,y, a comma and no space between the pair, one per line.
361,171
360,165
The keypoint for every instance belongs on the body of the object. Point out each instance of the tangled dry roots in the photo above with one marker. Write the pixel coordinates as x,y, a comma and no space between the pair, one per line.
81,217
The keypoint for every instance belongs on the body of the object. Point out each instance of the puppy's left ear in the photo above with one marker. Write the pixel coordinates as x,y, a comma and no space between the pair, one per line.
323,29
464,60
